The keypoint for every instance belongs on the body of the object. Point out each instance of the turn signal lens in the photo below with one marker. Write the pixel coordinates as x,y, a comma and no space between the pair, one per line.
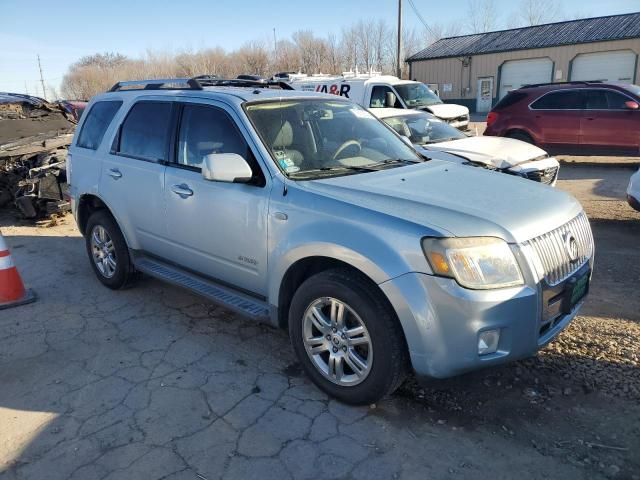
439,263
491,118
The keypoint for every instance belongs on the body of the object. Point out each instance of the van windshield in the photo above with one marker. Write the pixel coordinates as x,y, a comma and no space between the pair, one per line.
416,95
319,138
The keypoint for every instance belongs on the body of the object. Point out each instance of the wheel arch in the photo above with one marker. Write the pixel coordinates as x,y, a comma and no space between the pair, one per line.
305,267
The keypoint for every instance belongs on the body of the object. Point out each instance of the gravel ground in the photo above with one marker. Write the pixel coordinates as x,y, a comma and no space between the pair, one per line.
573,411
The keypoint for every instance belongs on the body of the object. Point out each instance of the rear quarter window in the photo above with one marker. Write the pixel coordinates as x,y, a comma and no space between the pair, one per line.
95,125
510,99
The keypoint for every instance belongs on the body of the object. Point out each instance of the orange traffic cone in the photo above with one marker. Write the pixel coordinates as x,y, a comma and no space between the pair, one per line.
12,291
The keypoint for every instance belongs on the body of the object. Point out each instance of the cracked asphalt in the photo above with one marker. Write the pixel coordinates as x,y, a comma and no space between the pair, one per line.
153,382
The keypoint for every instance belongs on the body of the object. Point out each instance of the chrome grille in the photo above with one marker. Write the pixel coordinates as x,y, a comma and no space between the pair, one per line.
548,175
552,250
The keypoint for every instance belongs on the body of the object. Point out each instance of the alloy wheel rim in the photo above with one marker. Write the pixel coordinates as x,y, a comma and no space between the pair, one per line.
337,341
103,251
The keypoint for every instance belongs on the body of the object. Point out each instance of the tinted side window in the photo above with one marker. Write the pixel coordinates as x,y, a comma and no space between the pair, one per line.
596,100
510,99
562,100
205,130
616,101
96,123
144,133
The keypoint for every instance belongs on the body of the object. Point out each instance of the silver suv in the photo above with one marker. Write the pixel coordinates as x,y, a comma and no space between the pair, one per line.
304,211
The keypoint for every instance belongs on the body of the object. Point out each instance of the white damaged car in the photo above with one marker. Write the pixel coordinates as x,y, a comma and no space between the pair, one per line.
633,191
435,138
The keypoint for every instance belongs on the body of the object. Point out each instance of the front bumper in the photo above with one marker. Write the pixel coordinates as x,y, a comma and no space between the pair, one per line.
442,321
633,202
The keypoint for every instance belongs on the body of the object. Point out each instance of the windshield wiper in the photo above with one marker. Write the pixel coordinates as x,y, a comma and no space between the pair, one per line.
352,168
392,161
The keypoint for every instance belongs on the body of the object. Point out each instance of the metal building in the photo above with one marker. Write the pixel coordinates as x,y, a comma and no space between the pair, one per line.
477,70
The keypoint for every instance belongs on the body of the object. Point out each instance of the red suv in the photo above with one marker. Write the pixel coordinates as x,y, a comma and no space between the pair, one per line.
575,116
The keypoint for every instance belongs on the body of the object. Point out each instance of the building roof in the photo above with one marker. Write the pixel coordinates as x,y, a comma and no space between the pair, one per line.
586,30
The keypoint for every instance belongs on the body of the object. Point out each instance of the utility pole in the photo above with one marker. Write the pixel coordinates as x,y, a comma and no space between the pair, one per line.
399,52
44,92
26,90
275,45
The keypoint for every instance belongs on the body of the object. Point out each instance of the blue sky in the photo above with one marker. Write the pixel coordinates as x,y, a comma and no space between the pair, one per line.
63,31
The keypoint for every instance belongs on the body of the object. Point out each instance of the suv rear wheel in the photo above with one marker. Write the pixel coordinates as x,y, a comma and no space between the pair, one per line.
522,136
347,339
107,250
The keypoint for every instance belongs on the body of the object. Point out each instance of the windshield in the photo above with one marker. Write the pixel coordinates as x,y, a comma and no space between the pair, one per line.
312,138
635,89
417,95
423,128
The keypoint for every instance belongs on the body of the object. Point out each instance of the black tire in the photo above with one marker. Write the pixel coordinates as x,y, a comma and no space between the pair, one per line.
390,357
124,271
522,136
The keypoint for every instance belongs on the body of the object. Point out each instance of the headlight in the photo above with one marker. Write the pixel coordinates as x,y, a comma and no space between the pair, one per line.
474,262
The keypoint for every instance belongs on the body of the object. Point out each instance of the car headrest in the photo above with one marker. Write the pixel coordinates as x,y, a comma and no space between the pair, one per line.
284,138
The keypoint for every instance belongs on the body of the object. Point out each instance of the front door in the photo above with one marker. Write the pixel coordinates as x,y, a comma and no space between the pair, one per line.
607,123
484,97
216,229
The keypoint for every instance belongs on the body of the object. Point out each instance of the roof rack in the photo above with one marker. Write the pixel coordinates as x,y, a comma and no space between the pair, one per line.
195,83
239,82
157,84
574,82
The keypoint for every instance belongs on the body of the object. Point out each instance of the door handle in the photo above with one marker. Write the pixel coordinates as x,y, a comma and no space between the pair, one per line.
115,173
183,190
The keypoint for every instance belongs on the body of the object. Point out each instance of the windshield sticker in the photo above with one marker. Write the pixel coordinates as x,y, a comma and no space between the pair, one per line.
292,169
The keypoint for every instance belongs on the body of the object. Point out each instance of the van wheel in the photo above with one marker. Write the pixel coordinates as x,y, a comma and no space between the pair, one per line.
522,136
108,251
347,340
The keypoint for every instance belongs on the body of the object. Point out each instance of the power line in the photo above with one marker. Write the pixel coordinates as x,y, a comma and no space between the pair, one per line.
422,20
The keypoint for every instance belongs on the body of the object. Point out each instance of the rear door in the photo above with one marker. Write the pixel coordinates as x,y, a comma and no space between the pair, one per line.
132,178
607,123
216,229
557,118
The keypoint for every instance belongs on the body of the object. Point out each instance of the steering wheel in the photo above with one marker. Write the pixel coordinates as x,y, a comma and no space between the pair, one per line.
344,146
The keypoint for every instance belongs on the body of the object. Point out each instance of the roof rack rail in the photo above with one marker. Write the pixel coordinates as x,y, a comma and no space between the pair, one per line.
573,82
157,84
196,83
239,82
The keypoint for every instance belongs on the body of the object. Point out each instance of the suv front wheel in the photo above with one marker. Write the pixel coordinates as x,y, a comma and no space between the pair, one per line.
347,339
107,250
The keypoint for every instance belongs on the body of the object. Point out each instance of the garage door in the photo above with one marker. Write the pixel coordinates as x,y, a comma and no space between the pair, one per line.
613,66
516,73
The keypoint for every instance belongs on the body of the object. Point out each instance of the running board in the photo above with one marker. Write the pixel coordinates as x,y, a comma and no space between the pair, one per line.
225,296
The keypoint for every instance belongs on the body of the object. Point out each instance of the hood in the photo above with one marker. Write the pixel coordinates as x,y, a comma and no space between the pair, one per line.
498,152
455,199
446,110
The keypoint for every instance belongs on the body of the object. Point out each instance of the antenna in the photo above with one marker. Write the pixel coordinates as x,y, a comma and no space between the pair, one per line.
44,92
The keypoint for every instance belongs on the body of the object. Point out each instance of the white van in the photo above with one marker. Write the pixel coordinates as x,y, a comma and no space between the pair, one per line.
378,91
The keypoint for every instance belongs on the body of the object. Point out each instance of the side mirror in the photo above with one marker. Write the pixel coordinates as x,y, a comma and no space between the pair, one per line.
631,105
390,99
226,167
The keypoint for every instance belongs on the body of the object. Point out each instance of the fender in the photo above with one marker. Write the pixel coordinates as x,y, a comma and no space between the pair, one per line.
356,246
127,239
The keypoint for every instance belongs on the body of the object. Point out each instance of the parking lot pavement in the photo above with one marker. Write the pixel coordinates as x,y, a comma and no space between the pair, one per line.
153,382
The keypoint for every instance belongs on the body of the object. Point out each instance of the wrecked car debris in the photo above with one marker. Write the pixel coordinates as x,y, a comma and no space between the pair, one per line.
34,136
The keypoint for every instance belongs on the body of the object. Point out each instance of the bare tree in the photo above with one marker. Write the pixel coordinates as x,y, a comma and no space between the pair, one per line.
483,16
536,12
